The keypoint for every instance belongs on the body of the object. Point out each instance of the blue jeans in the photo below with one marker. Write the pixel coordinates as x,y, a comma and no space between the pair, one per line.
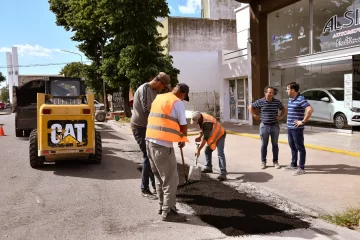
221,155
296,143
267,131
139,134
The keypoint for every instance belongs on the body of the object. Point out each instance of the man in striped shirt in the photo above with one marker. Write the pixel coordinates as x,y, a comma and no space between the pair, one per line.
269,115
296,119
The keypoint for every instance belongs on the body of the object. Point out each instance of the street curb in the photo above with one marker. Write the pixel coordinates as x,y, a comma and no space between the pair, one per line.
316,147
255,136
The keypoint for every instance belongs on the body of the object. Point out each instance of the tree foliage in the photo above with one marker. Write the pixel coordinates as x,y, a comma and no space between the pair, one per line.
4,96
2,77
74,69
120,37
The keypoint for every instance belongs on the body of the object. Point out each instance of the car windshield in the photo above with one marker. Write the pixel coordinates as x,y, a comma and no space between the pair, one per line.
338,94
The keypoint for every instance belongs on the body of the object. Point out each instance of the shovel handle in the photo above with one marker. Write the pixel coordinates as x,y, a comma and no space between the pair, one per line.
183,163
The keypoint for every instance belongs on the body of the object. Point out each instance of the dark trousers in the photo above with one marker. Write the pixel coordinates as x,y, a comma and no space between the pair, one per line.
296,143
139,134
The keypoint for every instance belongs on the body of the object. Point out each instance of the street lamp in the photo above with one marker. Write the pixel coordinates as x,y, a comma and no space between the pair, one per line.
73,53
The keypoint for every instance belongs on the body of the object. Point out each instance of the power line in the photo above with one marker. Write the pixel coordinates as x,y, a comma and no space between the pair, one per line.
39,65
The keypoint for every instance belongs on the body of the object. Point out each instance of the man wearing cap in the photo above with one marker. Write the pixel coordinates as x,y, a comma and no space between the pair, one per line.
212,134
167,125
143,98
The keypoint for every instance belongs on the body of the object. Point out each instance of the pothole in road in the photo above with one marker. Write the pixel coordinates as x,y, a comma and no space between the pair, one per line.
232,212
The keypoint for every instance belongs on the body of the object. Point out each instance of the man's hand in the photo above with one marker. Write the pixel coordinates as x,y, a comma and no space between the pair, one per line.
278,118
298,123
197,153
257,117
181,144
198,139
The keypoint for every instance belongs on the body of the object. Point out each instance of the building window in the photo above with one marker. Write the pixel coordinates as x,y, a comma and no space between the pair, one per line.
336,24
288,30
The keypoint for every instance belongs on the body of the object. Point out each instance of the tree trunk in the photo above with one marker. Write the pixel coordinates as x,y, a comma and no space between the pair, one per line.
125,95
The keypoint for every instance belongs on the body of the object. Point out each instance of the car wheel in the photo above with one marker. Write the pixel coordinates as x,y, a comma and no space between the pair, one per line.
100,117
340,120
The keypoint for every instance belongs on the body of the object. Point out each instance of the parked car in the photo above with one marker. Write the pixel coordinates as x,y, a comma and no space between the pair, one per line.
2,106
99,106
329,107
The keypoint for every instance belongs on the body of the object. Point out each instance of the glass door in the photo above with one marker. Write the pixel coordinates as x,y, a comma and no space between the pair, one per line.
232,94
242,96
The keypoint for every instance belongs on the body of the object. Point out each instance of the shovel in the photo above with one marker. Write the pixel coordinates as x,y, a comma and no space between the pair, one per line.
195,171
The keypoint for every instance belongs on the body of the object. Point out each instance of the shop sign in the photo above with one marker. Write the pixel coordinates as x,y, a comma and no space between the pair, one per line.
345,33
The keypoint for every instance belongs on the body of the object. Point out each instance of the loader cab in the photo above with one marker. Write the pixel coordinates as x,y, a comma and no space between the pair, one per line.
65,91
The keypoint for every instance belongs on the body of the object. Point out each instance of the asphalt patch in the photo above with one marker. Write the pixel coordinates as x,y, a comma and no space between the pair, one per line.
232,212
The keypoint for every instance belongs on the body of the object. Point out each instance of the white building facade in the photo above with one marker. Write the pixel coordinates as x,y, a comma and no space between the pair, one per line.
235,73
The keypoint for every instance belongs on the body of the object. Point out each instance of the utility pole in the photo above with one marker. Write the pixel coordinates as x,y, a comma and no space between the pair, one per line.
104,90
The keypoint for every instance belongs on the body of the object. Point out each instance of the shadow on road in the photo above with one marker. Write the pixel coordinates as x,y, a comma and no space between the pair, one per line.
333,169
258,177
111,168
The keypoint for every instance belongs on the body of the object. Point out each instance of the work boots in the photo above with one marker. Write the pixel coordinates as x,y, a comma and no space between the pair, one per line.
173,216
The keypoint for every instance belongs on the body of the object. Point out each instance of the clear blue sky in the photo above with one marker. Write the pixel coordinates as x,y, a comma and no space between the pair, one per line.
30,25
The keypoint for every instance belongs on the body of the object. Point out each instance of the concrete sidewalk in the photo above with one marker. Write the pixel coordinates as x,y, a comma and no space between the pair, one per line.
327,141
331,184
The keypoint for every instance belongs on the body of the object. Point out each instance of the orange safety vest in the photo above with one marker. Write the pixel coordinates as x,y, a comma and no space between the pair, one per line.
217,130
161,125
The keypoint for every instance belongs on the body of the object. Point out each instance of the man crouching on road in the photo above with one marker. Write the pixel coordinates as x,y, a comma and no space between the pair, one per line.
166,125
214,136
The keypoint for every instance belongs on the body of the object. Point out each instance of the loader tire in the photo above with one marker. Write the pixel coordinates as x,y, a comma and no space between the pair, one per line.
35,160
97,157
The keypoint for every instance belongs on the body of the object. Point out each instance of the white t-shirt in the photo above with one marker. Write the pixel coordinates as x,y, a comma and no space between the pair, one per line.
178,112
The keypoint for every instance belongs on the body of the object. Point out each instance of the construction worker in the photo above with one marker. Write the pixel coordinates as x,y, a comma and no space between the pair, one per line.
143,98
212,134
167,124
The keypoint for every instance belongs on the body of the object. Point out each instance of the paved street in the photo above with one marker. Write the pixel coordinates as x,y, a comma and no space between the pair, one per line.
76,200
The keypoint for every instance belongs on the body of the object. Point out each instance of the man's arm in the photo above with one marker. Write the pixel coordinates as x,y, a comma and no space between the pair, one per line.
179,109
144,99
207,127
283,112
309,110
252,108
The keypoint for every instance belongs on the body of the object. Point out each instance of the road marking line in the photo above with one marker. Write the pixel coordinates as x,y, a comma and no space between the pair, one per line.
316,147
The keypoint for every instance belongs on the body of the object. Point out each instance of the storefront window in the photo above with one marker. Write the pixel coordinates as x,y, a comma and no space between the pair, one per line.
323,86
336,24
289,31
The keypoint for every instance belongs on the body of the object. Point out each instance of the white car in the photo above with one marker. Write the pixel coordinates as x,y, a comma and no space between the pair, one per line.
99,106
329,107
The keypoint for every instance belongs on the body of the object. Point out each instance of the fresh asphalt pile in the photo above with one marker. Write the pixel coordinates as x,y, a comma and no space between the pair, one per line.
233,213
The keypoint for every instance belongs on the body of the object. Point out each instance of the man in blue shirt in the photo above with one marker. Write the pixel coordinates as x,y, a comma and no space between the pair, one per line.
296,119
269,115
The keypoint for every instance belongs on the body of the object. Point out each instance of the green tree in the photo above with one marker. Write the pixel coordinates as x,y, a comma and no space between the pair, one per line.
120,37
5,94
2,77
74,69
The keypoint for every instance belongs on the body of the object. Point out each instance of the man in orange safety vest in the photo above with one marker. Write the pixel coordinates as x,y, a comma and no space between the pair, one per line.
167,125
212,134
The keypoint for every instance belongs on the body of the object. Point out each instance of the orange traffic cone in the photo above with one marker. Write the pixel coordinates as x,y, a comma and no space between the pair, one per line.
1,131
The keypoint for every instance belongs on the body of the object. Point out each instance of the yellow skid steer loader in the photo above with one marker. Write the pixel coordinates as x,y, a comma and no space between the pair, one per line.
65,124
